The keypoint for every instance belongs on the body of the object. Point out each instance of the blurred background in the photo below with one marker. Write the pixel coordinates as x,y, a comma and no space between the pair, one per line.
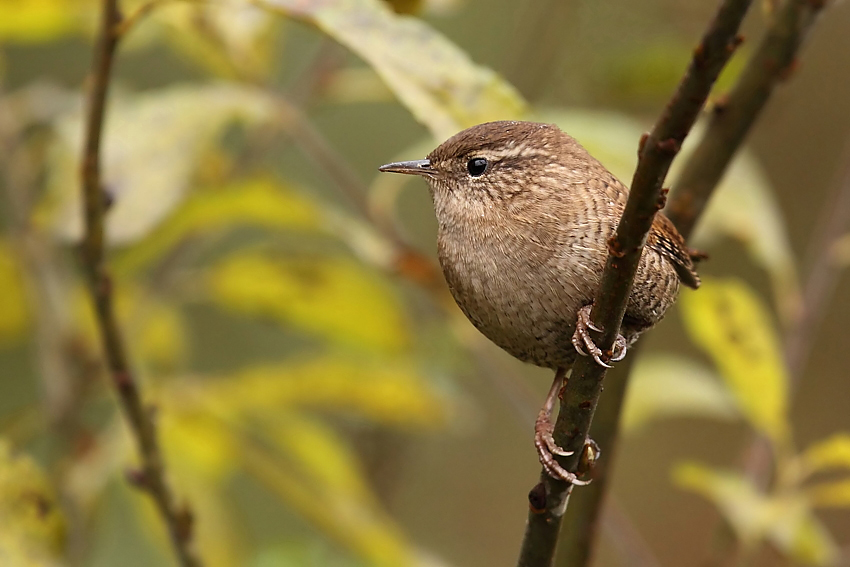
319,398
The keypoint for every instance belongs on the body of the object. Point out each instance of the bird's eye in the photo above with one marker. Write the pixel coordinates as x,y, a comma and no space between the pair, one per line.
476,166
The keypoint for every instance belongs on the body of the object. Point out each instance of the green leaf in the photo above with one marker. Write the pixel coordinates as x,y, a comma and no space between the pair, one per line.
785,521
259,202
32,528
732,325
831,453
662,387
331,297
431,76
151,145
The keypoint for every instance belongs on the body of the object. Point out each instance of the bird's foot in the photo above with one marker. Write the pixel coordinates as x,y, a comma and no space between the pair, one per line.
583,342
547,448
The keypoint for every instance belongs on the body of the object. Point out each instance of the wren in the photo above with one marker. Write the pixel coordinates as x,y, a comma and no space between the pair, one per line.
524,215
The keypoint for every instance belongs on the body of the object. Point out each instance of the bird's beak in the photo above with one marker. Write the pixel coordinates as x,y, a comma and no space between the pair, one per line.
416,167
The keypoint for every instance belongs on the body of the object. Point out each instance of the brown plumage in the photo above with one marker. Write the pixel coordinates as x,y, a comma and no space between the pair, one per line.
524,216
522,243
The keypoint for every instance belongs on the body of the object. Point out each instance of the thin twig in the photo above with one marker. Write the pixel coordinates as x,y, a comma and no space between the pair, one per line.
657,150
732,118
152,476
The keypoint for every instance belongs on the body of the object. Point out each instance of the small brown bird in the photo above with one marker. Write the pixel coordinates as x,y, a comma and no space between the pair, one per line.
524,215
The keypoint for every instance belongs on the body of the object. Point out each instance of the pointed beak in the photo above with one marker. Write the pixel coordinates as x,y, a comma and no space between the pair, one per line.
416,167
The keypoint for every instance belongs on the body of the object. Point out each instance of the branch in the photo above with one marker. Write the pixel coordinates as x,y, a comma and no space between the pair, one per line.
152,476
657,150
773,62
730,122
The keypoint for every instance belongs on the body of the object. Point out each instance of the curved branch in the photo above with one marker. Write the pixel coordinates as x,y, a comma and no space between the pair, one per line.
152,476
657,150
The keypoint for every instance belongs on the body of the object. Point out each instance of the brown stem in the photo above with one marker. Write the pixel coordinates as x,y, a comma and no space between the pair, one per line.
657,150
152,476
581,524
773,62
731,121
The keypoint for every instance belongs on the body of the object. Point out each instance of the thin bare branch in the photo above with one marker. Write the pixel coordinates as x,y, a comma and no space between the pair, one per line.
657,150
773,62
730,122
152,476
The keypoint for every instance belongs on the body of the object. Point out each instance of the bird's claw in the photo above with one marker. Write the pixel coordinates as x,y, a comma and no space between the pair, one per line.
583,342
546,448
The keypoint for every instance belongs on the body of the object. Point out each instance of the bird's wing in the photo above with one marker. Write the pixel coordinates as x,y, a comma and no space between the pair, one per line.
666,240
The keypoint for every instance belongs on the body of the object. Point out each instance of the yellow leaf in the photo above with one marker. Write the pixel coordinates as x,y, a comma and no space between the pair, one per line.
332,298
39,21
319,454
14,320
831,494
747,511
668,386
32,528
799,534
257,202
232,38
384,392
150,147
162,336
830,453
435,79
327,489
786,521
406,6
731,324
156,329
195,442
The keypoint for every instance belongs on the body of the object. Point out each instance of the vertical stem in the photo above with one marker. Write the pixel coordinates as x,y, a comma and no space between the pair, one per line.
657,151
152,476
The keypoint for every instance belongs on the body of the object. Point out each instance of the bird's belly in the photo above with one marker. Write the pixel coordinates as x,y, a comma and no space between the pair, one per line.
527,310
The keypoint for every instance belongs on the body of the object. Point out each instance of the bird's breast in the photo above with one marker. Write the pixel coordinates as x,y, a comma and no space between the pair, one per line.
523,298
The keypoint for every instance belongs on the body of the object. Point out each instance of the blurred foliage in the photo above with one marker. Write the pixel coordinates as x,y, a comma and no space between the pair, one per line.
13,301
729,322
32,527
204,222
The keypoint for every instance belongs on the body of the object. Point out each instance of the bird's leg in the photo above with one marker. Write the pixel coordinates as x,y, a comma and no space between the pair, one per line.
545,443
583,342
